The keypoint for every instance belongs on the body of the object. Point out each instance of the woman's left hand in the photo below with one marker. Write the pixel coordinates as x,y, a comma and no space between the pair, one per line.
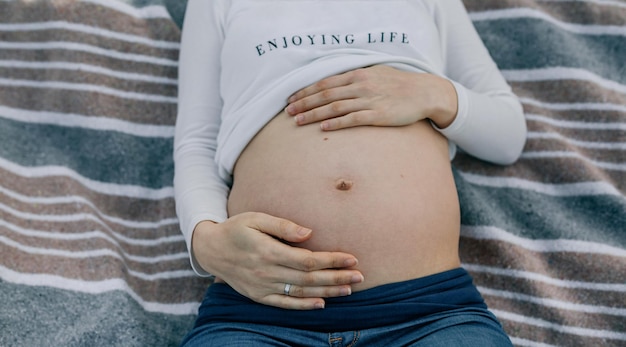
378,95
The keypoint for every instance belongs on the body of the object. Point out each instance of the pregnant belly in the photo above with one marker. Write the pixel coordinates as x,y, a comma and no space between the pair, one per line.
383,194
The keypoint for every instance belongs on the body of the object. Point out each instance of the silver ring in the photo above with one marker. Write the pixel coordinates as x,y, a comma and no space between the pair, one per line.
287,288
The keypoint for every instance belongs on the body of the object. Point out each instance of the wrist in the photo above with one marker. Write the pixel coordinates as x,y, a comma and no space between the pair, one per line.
445,103
199,238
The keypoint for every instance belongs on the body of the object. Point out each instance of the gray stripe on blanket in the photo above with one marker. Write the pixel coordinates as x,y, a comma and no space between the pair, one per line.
538,216
43,316
100,155
530,43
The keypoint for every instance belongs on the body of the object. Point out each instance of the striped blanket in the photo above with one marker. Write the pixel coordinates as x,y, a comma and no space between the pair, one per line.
91,253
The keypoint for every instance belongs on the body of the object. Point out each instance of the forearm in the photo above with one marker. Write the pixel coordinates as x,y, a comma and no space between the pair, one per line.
200,193
198,198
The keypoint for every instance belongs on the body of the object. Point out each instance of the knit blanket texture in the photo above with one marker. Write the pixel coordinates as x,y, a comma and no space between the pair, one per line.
91,251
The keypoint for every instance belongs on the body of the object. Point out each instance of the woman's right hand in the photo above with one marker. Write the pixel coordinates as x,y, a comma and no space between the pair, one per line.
245,251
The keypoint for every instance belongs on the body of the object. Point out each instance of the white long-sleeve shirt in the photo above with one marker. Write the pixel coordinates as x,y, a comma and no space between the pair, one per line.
241,59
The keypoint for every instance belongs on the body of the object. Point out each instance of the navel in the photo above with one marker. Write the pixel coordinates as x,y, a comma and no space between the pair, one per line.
343,184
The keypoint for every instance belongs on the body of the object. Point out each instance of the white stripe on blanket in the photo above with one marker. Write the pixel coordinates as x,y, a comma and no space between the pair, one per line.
90,235
81,217
86,48
512,13
126,190
95,253
79,200
574,106
82,67
540,245
561,73
84,87
86,29
537,277
561,189
87,122
553,303
146,12
95,287
605,334
577,143
577,124
597,2
573,155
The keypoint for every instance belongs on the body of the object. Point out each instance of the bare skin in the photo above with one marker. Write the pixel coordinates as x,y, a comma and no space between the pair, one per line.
355,208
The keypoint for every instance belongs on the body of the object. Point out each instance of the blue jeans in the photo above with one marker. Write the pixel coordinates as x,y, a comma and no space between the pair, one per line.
439,310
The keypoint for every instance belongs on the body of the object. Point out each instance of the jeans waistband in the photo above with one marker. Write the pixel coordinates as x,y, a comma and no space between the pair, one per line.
383,305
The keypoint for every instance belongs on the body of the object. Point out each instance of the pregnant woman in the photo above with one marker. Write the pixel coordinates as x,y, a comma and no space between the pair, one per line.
313,176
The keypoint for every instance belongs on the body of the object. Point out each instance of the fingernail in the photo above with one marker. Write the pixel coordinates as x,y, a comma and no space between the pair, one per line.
350,262
289,109
324,125
319,305
345,291
304,231
358,278
299,118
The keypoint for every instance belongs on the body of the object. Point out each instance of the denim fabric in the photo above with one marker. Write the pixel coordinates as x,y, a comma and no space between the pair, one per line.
440,310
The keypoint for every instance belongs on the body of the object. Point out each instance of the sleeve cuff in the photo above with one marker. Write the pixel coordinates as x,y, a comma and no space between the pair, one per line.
189,236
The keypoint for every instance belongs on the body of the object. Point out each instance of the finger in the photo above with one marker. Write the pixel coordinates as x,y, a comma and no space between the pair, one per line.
316,292
332,110
324,283
321,278
308,261
321,98
353,119
324,84
278,227
293,303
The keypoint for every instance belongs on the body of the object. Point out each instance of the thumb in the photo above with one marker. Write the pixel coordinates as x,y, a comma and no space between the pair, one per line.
281,228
